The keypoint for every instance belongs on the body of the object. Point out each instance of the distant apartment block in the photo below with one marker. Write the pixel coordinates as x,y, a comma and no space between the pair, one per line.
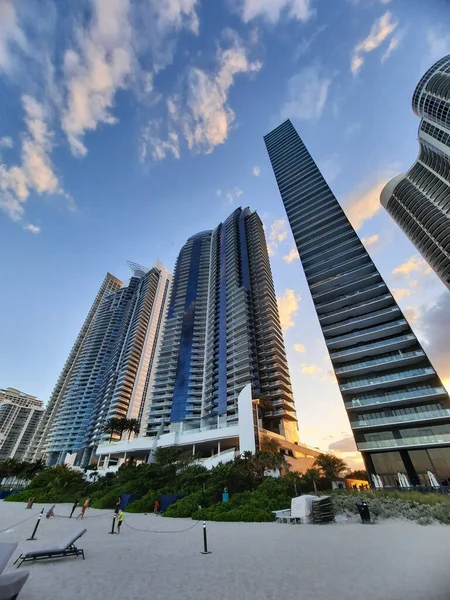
398,408
419,200
110,370
20,415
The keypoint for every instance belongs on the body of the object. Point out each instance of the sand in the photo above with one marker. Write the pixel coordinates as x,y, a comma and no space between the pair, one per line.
249,561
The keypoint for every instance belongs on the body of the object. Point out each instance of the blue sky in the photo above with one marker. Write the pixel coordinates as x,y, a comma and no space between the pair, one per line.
126,127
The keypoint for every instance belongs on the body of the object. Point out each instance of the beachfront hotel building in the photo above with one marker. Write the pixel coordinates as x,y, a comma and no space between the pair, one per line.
20,415
222,384
398,408
419,200
110,372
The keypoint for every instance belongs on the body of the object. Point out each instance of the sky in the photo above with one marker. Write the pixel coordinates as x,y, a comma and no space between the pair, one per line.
126,127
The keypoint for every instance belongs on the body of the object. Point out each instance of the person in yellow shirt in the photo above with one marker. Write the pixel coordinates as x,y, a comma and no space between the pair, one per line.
120,521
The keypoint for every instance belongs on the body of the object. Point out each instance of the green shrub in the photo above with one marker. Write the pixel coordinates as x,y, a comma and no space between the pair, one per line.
185,507
145,504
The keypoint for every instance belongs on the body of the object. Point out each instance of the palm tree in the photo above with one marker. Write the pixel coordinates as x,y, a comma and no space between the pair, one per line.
133,426
311,476
332,466
269,444
112,426
122,425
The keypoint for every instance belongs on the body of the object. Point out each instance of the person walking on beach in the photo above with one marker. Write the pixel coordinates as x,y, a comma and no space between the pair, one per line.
83,508
75,504
117,506
156,507
119,521
50,512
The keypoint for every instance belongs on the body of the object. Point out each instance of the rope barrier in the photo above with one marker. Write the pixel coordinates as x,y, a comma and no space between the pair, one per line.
89,517
151,531
19,523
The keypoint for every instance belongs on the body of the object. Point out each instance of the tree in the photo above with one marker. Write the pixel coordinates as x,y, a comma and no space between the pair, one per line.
311,476
133,426
269,444
332,466
112,427
358,474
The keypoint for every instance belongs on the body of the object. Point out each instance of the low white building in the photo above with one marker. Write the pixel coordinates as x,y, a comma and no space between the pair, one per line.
212,440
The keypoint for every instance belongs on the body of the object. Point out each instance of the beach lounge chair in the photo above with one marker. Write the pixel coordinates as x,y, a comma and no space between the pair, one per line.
66,549
11,583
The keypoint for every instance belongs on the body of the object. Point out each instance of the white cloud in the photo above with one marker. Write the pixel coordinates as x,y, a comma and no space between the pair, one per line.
32,228
256,171
400,293
35,173
413,264
307,93
299,348
233,195
371,241
363,203
293,255
106,60
380,31
411,313
6,142
12,37
277,234
202,114
306,43
394,42
159,148
438,40
312,369
95,72
300,10
288,307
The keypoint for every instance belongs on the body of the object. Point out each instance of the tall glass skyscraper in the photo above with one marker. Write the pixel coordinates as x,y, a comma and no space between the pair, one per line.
113,370
398,409
419,200
222,333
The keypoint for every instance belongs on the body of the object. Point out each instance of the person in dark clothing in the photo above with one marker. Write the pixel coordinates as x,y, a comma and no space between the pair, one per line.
75,504
117,507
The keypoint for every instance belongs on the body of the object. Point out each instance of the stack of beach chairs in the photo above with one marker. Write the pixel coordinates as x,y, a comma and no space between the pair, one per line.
322,510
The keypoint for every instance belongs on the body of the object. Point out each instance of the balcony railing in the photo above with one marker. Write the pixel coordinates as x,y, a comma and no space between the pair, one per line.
387,379
373,346
366,332
397,397
393,419
379,361
423,440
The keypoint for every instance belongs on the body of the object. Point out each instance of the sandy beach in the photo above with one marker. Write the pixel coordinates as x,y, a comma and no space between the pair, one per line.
249,561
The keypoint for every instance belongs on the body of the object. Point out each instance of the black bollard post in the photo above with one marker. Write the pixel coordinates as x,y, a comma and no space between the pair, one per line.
205,540
112,526
32,538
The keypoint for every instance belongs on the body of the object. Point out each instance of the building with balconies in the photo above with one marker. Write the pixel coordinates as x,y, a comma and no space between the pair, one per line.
419,200
222,333
398,408
112,370
20,415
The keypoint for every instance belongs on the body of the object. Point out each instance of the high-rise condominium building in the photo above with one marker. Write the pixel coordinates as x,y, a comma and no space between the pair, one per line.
19,417
111,373
419,200
398,409
222,333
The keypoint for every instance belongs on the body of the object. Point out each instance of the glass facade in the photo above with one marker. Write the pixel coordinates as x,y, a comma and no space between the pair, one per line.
107,376
419,201
222,332
389,387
